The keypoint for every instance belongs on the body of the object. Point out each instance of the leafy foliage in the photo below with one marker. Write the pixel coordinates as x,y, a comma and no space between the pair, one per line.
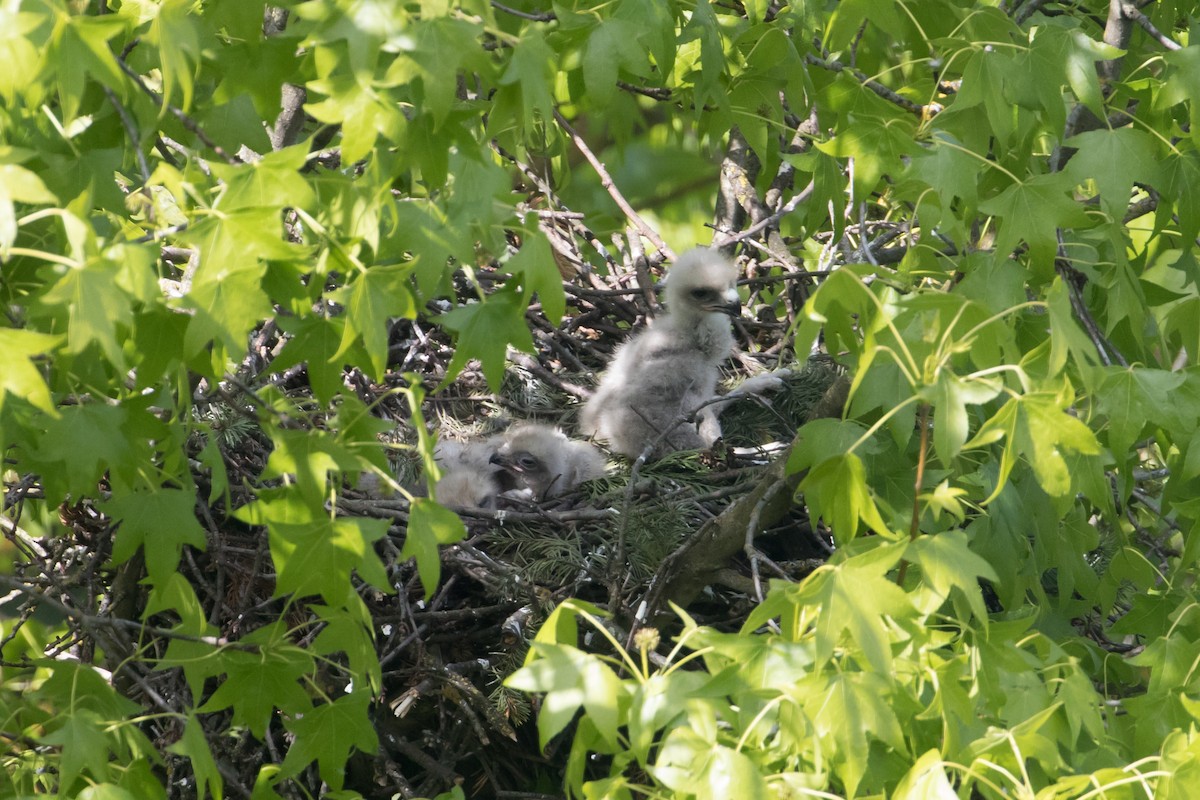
239,243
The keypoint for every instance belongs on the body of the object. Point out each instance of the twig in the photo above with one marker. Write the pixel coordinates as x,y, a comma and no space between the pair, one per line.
875,86
186,120
545,16
770,221
607,182
130,131
1130,11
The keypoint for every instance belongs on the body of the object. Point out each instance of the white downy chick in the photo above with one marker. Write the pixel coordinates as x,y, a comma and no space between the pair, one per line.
528,460
544,461
468,478
670,369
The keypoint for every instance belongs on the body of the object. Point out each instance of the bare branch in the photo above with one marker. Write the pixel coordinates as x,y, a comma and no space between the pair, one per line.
607,182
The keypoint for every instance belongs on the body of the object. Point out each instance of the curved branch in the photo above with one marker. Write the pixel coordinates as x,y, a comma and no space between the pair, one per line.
607,182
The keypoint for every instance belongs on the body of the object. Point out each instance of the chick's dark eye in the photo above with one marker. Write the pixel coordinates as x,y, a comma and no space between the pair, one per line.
526,461
703,294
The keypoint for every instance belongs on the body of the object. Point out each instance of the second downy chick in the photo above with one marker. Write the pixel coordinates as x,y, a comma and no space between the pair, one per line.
544,461
529,460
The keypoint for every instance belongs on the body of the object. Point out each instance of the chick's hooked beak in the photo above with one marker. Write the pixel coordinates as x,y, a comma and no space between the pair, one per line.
518,463
729,303
733,309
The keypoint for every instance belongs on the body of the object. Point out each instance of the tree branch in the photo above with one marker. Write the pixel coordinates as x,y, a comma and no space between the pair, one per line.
607,182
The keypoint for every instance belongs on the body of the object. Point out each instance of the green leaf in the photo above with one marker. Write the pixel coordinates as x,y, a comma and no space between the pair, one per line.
75,687
948,168
80,52
424,230
309,455
1066,337
947,564
485,330
1182,171
571,679
708,74
327,734
951,424
363,113
77,448
194,746
1133,397
1033,210
1081,57
374,297
19,375
18,51
227,304
1038,428
853,709
877,145
85,745
534,263
348,630
158,338
613,44
176,33
95,305
430,525
270,183
691,766
926,780
256,684
836,490
443,46
854,597
1182,82
315,342
1114,159
849,17
161,522
17,185
531,70
317,557
106,791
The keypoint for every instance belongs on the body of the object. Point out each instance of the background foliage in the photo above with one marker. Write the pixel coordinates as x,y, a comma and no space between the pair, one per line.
237,241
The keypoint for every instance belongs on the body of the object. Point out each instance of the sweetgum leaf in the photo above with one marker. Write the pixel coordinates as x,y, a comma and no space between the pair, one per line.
194,746
1033,210
371,300
430,525
1114,159
327,734
318,557
161,522
571,679
258,683
19,377
485,330
853,597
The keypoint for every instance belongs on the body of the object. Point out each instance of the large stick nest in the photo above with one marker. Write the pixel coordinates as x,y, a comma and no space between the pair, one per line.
444,717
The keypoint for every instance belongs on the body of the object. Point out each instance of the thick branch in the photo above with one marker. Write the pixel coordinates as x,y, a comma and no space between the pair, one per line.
699,560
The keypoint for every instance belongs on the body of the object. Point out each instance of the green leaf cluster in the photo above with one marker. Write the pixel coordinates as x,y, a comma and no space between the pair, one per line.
997,244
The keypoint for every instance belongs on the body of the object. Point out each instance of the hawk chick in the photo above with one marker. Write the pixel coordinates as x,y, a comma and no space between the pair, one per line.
544,461
670,369
527,460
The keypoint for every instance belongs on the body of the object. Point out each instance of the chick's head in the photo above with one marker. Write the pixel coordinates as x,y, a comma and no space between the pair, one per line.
703,281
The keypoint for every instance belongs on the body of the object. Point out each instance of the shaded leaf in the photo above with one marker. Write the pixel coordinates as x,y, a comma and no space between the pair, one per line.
430,525
161,522
328,734
571,679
